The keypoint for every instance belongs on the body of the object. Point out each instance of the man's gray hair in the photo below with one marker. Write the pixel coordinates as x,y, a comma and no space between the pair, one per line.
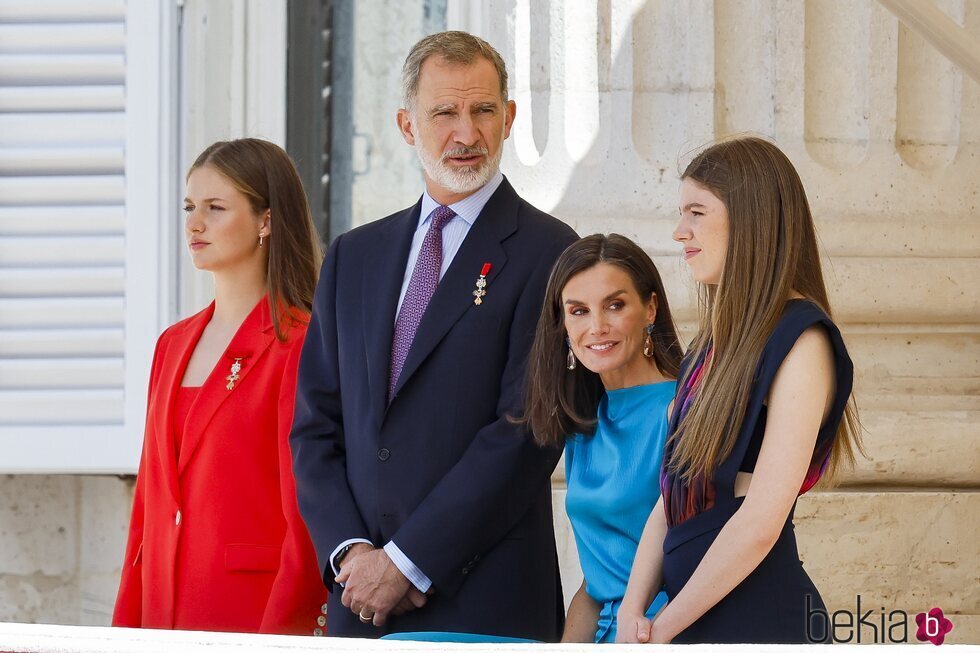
455,47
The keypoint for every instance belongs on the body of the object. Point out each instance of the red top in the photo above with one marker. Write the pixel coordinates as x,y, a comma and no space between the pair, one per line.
186,395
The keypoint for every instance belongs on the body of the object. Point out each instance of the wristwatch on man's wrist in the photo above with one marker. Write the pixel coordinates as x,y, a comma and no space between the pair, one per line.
339,558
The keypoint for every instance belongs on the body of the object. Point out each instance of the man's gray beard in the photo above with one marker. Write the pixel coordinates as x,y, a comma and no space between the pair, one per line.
460,180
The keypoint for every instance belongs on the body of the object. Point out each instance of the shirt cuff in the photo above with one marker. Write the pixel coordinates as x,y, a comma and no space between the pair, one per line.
340,547
407,567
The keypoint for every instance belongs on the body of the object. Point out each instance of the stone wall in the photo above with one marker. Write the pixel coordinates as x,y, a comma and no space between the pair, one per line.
613,96
386,172
61,547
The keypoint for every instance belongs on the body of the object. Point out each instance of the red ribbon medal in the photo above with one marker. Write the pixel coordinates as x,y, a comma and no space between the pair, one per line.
481,285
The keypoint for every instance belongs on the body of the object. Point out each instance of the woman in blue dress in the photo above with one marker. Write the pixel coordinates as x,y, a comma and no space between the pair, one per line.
762,412
600,377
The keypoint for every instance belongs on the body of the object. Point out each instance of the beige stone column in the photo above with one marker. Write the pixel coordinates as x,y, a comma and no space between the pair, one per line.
613,95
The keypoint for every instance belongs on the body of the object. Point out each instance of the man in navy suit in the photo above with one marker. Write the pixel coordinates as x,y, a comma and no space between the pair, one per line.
429,509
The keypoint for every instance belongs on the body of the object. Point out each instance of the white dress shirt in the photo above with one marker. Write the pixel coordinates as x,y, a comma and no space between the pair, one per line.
467,211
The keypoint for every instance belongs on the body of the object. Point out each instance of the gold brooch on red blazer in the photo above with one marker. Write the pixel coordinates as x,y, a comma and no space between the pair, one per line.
481,285
236,367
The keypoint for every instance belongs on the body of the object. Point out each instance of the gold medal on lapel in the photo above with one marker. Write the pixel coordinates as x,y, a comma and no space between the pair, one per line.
481,285
236,367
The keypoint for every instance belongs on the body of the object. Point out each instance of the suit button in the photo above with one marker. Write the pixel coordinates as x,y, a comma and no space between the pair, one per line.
383,454
177,519
466,570
323,608
317,632
321,620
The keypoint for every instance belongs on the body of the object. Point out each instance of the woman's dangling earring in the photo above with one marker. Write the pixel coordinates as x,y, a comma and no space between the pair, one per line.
570,361
648,342
261,239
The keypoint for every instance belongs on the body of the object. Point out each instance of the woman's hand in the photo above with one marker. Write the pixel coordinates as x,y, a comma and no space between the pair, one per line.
645,580
632,628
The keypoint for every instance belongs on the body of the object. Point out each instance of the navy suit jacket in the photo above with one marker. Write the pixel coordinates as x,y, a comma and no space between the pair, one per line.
439,468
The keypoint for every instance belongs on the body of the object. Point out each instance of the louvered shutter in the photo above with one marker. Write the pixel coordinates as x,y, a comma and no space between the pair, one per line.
77,305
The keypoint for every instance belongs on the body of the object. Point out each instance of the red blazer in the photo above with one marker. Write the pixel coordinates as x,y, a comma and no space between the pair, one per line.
216,541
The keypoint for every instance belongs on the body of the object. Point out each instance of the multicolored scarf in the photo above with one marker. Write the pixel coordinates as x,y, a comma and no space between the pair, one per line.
818,464
685,499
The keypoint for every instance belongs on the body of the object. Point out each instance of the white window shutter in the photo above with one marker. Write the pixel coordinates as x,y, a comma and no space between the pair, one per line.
83,229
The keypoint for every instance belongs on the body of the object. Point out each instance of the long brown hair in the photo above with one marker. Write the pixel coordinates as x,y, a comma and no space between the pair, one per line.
559,401
772,251
265,174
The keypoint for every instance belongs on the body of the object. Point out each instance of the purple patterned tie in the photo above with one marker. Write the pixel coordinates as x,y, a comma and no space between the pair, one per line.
421,287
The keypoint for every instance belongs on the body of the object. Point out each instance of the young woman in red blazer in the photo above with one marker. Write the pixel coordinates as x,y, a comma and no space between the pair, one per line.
216,541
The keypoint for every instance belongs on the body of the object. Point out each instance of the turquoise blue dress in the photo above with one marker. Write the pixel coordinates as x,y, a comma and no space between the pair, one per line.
613,481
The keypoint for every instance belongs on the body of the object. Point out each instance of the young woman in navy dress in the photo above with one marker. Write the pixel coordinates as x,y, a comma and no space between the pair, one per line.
762,412
601,373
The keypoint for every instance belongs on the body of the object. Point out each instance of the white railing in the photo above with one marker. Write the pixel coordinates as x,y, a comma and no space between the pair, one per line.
34,638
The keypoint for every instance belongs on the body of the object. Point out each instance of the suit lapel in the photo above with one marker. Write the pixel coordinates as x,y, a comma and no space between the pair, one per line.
182,345
249,343
383,277
454,294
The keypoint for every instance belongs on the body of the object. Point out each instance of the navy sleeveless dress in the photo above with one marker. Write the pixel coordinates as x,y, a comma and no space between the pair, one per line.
773,603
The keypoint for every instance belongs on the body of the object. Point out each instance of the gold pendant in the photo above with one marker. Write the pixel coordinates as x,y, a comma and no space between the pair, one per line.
236,367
